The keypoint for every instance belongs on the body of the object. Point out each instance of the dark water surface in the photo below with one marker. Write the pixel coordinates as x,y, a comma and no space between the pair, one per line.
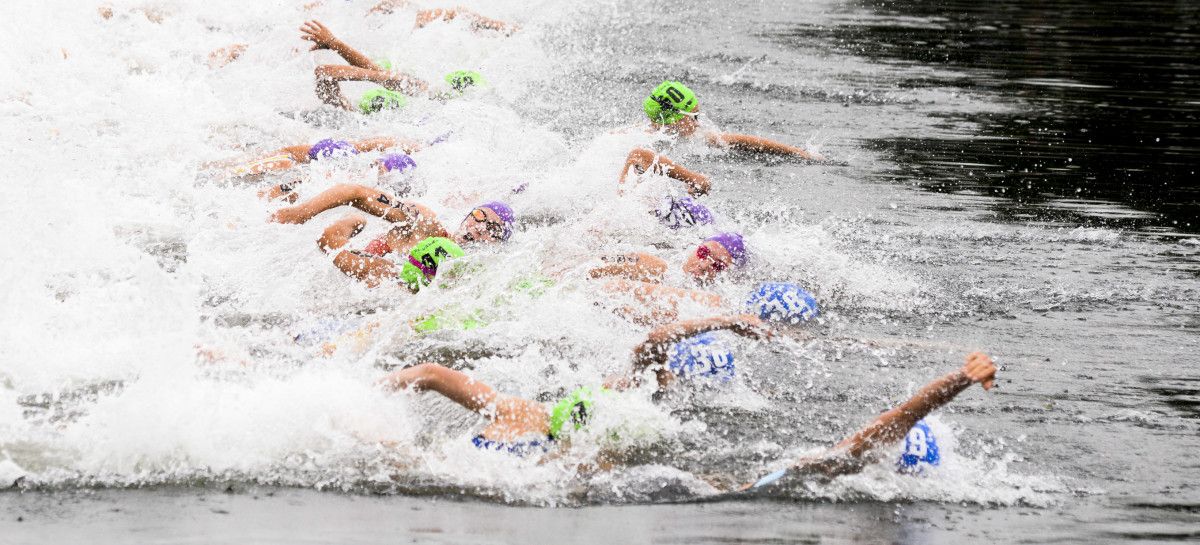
1106,100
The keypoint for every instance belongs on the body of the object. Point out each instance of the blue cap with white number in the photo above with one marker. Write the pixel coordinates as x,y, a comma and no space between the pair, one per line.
920,450
783,302
701,355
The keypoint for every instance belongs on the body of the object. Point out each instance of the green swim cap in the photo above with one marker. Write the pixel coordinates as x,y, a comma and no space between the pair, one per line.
576,408
384,64
380,99
461,79
668,102
444,319
424,259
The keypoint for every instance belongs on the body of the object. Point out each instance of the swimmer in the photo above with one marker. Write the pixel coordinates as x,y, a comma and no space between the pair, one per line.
516,424
524,426
396,85
426,16
387,164
853,453
674,109
291,156
713,256
413,224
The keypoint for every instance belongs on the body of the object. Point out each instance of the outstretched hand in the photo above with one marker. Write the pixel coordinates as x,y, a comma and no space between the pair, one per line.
979,368
318,34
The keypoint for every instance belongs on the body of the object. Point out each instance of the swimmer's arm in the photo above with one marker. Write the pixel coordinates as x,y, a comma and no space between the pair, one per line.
323,38
758,144
281,190
396,81
328,89
652,353
371,270
478,22
387,6
641,160
634,266
893,425
369,200
222,56
382,143
338,235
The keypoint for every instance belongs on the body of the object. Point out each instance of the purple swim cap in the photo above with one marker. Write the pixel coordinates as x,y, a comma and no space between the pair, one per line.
331,148
398,162
683,212
506,215
733,243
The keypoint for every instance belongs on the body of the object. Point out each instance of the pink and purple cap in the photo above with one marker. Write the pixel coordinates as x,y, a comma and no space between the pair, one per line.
733,243
329,147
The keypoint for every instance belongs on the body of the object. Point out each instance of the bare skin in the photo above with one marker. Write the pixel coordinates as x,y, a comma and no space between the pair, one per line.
688,126
852,453
658,303
291,156
642,160
362,68
513,418
412,223
646,267
426,16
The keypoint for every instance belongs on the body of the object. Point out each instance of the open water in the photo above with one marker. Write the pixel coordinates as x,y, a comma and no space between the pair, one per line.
1018,178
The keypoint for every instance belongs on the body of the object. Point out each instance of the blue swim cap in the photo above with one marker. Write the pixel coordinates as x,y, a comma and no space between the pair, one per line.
701,355
920,450
781,301
329,147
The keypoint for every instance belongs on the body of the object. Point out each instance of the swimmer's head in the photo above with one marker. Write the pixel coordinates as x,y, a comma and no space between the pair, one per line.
460,80
717,253
678,213
488,222
331,149
782,302
701,356
674,106
920,450
395,162
423,261
380,99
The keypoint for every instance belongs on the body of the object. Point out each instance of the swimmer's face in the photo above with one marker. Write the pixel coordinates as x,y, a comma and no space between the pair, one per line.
709,259
481,225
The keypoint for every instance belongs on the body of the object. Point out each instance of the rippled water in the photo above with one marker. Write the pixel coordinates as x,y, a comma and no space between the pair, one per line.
1067,254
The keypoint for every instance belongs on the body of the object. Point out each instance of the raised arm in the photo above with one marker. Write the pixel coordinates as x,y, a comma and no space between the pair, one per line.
758,144
893,425
383,143
642,160
634,266
323,38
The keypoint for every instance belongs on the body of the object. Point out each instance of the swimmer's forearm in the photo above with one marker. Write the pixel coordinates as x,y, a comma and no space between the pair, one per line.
353,56
893,425
758,144
339,234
